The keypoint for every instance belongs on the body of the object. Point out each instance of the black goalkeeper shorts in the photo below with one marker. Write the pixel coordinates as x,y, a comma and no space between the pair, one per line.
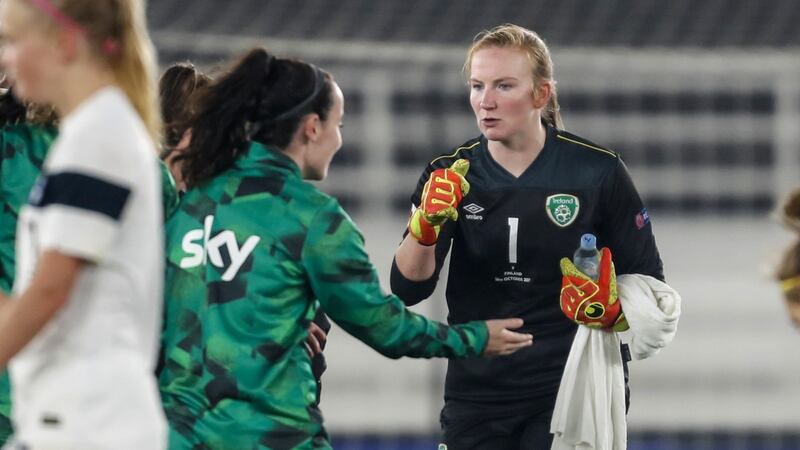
520,426
476,426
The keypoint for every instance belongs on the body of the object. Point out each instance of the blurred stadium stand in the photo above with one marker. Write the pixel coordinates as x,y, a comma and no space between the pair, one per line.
608,23
701,98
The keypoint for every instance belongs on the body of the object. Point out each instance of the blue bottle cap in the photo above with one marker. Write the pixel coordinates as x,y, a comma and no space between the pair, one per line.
588,241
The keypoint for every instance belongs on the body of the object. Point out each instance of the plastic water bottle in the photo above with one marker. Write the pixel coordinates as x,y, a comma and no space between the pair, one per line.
587,257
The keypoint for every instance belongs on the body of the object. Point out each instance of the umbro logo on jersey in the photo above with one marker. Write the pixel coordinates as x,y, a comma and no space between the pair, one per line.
202,247
562,209
473,209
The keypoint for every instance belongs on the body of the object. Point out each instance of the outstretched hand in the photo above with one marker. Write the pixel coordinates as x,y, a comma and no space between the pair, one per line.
503,341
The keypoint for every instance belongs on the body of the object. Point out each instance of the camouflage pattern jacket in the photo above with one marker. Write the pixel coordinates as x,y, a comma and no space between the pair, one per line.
252,254
24,148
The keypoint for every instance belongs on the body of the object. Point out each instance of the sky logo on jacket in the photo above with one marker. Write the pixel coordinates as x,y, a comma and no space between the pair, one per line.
203,248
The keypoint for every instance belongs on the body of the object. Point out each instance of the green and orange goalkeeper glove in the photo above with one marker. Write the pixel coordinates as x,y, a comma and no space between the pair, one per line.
592,303
440,198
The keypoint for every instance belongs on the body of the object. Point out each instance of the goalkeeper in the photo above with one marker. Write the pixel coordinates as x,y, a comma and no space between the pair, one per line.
534,189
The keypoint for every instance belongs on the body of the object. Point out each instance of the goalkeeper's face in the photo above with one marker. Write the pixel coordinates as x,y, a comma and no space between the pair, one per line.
502,93
30,52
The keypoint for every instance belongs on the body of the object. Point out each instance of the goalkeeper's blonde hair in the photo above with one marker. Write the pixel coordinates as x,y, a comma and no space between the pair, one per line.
515,36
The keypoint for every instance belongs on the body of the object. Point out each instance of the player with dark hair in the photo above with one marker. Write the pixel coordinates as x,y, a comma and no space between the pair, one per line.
254,251
178,87
534,189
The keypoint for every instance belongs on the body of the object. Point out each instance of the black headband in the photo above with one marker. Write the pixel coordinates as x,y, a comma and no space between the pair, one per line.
254,127
319,82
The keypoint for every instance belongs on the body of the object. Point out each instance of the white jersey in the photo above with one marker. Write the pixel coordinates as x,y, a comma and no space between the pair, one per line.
86,380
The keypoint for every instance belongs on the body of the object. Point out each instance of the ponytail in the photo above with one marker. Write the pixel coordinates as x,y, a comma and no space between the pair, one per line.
552,111
133,61
221,129
261,98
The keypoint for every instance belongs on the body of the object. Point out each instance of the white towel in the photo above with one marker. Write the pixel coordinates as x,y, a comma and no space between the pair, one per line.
590,407
653,322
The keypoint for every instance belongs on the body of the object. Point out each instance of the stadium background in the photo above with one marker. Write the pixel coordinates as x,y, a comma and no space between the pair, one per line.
701,98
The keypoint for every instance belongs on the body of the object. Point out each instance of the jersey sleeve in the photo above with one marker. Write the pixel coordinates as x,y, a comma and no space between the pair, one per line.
626,228
81,199
347,287
410,291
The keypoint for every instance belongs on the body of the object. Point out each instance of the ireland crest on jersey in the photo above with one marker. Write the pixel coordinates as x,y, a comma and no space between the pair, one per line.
562,209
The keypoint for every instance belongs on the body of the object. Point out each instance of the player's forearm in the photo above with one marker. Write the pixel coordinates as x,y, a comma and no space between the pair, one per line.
416,281
415,262
395,332
22,319
5,304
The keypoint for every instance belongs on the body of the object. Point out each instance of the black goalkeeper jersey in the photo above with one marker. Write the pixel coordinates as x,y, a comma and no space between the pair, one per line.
506,246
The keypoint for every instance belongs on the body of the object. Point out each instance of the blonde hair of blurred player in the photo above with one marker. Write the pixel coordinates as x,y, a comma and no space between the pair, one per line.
80,44
514,36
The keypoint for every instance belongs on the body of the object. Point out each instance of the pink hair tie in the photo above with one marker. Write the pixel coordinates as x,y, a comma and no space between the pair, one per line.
47,7
111,47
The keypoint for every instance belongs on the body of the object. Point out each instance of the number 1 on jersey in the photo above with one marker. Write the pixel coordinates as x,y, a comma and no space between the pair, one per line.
513,226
